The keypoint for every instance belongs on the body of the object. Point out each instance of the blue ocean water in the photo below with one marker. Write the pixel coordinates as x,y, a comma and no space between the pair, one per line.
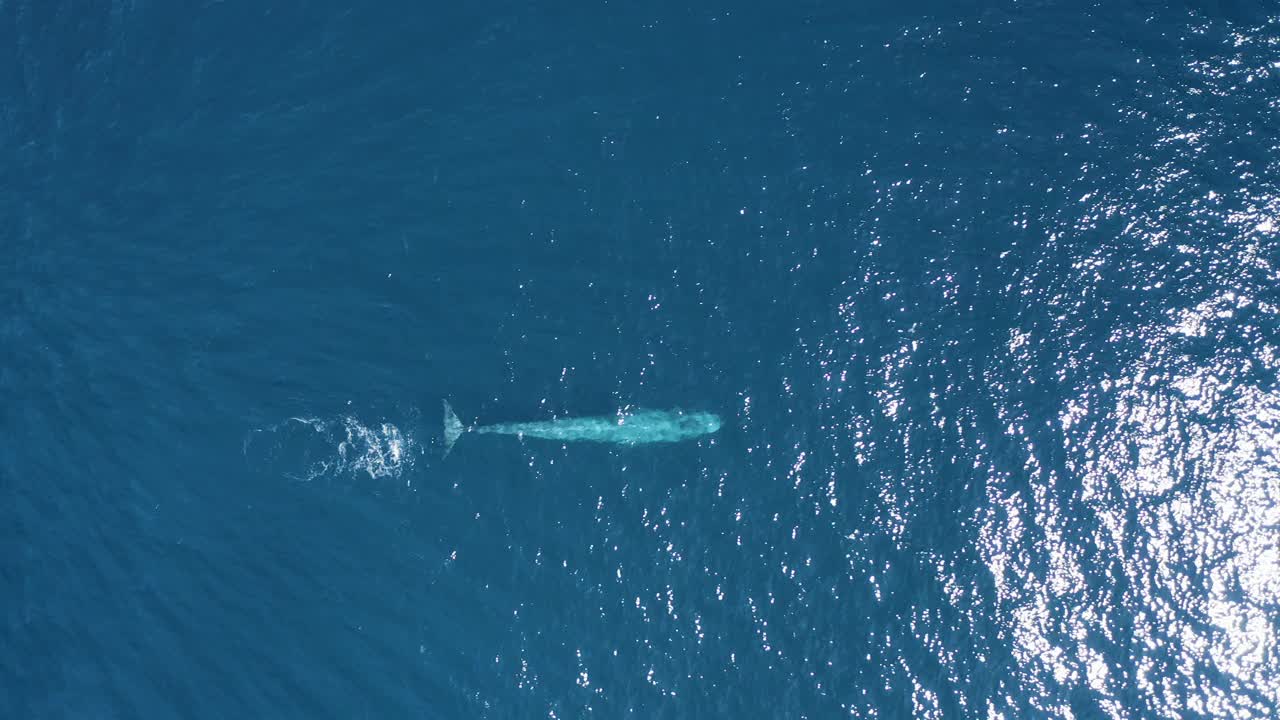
986,294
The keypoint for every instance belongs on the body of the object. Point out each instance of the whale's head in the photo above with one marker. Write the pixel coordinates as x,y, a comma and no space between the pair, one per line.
700,423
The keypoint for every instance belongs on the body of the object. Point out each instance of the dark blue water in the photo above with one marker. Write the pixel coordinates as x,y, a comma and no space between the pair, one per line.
988,296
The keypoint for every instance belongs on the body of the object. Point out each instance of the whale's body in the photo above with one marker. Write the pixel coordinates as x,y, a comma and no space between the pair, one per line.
626,428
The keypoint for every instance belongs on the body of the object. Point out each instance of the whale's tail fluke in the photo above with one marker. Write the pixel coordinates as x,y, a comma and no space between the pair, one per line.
453,428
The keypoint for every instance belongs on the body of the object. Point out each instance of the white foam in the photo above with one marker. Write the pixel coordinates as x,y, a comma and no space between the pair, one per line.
307,448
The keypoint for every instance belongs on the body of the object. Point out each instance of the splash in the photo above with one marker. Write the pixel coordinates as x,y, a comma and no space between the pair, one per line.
313,448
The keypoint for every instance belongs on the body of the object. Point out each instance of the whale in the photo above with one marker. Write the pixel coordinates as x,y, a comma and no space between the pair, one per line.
626,427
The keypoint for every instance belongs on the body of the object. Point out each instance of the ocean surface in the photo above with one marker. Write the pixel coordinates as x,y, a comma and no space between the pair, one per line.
987,295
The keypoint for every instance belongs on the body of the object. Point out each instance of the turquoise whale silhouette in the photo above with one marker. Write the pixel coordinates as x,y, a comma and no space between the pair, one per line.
632,427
